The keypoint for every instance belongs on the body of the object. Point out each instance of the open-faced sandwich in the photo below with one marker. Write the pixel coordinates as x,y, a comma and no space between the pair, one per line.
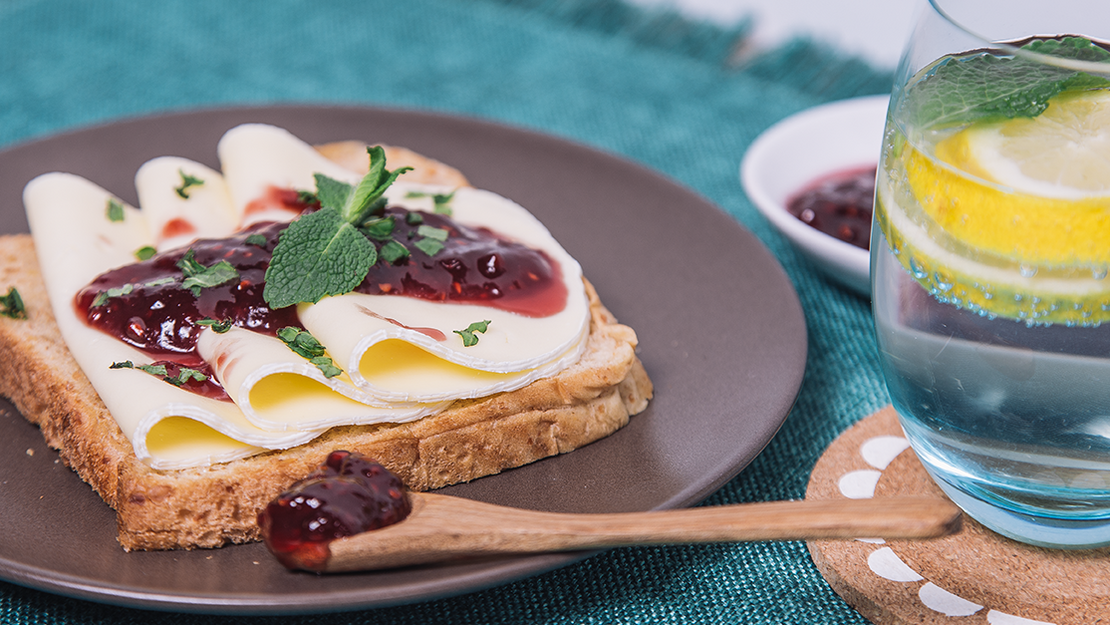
191,359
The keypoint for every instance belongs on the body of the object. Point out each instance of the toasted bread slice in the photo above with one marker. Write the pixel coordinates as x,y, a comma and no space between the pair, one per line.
213,506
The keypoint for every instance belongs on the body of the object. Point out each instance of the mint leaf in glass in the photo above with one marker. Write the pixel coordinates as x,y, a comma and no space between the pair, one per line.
984,86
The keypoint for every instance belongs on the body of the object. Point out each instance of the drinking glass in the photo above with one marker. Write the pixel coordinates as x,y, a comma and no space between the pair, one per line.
989,258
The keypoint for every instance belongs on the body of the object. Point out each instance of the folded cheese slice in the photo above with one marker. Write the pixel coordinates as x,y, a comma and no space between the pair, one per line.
403,358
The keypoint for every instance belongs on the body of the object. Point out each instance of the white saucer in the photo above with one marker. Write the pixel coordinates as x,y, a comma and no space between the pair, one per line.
802,148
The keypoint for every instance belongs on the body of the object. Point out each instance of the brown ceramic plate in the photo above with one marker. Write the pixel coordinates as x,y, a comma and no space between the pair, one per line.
721,333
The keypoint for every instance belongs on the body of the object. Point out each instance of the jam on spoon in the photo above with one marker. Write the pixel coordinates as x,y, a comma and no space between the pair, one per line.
346,495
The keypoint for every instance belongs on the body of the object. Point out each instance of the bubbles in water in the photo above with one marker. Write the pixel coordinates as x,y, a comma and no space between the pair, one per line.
942,281
1098,273
1028,271
917,270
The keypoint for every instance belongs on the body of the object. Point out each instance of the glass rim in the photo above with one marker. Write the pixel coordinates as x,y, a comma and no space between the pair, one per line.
1009,48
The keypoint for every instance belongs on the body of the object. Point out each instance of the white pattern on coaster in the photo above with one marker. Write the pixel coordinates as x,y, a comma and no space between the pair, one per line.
994,617
936,598
859,484
886,564
882,450
879,452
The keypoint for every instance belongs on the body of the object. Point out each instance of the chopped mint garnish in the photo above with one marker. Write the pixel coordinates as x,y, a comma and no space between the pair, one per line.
429,246
11,305
126,289
393,251
439,234
326,366
380,228
145,252
305,345
103,296
187,181
324,253
198,277
114,210
441,202
219,327
469,338
414,218
256,240
983,86
184,374
307,197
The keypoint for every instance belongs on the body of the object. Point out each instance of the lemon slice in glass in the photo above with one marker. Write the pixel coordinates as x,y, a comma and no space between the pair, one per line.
1038,190
1016,216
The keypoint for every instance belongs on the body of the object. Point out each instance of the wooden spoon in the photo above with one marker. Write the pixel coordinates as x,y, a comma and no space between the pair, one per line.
441,528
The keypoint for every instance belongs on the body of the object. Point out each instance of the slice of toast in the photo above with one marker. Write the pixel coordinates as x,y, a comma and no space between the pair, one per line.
212,506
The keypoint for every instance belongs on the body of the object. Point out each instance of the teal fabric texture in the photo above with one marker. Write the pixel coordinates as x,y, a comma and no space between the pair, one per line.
671,94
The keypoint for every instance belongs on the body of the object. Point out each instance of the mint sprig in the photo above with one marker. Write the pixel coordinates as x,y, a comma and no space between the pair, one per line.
986,87
324,252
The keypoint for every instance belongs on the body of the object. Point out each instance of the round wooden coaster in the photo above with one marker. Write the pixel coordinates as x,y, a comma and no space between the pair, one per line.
972,577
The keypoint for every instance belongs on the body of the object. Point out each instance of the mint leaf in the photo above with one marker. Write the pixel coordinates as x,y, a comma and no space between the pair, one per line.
219,327
114,210
985,87
393,251
102,297
331,193
198,277
145,252
187,182
11,305
318,255
439,234
367,196
306,346
326,366
429,246
469,338
380,228
441,202
184,374
324,253
256,240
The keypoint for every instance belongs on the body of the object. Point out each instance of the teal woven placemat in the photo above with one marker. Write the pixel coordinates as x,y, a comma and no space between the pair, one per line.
652,87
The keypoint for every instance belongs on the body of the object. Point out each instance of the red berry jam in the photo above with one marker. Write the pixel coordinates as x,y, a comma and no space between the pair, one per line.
839,205
146,304
159,316
346,495
475,266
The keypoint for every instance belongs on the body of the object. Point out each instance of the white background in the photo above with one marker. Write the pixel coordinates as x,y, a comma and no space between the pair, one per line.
874,30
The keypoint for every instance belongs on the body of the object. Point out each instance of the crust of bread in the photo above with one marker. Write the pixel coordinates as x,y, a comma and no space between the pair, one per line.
213,506
352,155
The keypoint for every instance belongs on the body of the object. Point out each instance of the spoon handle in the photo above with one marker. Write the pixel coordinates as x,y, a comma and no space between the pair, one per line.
442,528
